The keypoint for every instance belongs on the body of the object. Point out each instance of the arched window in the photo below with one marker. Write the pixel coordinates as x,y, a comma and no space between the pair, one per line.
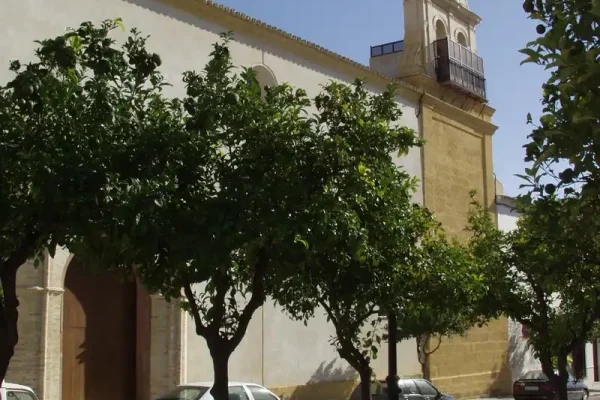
461,39
440,30
265,77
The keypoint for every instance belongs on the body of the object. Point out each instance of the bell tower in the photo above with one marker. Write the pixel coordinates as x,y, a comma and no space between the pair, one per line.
439,41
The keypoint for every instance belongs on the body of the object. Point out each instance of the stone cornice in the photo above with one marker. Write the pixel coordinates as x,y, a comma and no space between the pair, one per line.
506,201
243,24
455,113
459,10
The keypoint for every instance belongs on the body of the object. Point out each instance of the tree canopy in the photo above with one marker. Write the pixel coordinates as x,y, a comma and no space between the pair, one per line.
544,275
554,250
568,46
67,122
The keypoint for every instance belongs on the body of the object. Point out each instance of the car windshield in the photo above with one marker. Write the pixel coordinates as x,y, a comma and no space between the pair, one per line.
185,393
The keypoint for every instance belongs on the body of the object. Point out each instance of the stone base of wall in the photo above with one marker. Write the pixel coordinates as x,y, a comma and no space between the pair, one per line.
486,384
338,390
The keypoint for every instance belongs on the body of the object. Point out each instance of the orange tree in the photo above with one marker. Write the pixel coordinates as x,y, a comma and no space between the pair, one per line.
544,274
555,245
233,213
69,123
371,250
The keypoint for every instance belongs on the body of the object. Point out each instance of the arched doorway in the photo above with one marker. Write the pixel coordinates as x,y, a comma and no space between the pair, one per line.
101,328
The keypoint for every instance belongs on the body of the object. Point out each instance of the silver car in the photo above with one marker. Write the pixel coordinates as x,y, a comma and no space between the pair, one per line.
237,391
12,391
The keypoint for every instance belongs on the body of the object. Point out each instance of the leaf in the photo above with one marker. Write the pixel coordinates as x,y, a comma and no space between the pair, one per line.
298,239
119,22
532,55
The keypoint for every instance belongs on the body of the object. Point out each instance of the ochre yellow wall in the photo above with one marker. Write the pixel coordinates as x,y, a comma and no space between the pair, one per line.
457,158
339,390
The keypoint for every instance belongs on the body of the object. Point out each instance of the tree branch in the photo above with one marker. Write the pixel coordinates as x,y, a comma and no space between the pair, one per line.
328,310
191,298
218,305
256,301
364,316
427,354
539,294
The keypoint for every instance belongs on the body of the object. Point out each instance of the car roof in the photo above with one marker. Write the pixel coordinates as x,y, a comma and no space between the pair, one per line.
15,386
210,383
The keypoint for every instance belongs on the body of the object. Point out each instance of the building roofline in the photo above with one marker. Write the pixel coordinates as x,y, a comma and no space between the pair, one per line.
229,17
504,200
241,23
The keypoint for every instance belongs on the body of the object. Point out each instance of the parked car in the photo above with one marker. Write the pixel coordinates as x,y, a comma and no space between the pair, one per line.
12,391
535,385
411,389
201,391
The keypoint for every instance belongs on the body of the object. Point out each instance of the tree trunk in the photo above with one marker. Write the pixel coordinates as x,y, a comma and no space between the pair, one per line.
563,375
220,358
424,369
365,383
423,355
9,316
559,382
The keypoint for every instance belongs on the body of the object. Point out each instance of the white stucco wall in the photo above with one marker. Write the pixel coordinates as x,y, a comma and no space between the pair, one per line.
520,358
183,41
276,351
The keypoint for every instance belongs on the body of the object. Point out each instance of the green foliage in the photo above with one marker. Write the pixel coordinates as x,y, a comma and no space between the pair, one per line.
556,243
568,130
544,274
68,124
361,219
371,250
221,200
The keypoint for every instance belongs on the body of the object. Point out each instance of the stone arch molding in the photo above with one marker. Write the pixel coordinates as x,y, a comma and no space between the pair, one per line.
461,31
167,330
437,23
265,76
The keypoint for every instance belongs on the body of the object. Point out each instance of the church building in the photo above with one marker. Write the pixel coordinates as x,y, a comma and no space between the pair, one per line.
141,345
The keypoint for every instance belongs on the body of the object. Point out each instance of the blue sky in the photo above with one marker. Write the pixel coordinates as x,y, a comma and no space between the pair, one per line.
350,27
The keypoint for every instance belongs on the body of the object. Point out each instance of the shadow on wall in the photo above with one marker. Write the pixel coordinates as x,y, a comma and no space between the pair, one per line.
501,385
521,358
517,353
331,381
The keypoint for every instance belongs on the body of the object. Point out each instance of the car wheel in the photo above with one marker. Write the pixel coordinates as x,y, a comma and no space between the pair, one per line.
586,395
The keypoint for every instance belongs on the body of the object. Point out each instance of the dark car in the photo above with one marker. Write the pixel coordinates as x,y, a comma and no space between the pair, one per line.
535,385
412,389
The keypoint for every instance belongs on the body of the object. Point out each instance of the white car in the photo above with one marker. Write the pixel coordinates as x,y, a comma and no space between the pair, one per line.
201,391
12,391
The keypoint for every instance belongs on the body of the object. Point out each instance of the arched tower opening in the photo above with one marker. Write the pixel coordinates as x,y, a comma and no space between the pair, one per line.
440,30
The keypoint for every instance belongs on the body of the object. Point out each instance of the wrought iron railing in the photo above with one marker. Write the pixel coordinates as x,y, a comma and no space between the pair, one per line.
388,48
459,66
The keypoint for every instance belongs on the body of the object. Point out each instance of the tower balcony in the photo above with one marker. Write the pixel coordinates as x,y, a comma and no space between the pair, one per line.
458,67
444,60
388,48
